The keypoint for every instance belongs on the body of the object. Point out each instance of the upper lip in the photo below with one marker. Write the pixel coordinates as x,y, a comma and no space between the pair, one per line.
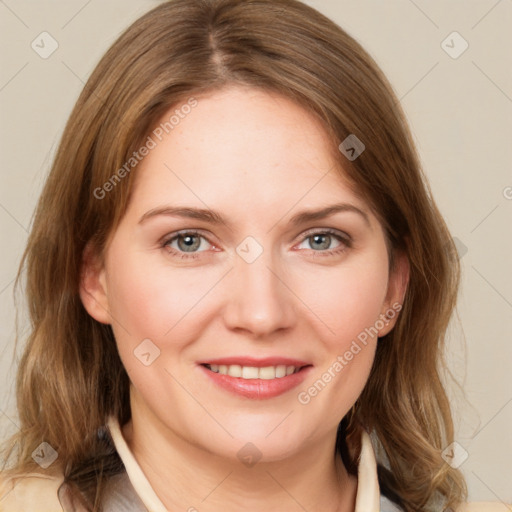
256,362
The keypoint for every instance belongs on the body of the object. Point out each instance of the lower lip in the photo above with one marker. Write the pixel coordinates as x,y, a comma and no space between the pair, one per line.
258,389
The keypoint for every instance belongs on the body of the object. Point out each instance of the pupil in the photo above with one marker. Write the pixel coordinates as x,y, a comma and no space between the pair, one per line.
318,238
189,242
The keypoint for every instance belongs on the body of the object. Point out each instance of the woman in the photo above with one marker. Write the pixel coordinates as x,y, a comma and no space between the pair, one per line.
191,346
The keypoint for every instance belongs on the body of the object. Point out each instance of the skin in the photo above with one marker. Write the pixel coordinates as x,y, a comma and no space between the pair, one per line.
258,159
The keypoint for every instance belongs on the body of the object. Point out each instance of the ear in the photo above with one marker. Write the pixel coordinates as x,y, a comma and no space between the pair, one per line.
93,288
397,286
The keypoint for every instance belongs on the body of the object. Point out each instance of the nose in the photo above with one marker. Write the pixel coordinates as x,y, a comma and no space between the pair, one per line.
260,301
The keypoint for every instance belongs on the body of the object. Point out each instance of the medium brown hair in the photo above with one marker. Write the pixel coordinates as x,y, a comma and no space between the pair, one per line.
70,377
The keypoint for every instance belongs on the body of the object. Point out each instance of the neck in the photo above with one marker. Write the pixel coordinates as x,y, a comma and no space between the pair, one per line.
187,477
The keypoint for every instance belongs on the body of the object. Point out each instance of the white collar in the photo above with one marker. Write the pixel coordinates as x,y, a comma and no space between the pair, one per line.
368,493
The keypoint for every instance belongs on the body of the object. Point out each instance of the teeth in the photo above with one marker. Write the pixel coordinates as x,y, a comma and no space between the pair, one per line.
235,370
291,369
280,371
249,372
252,372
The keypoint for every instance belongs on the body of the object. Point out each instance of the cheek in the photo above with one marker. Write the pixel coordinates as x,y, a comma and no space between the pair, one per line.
347,300
348,303
150,300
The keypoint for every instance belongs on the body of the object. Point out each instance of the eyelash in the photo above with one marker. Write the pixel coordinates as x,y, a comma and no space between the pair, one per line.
344,239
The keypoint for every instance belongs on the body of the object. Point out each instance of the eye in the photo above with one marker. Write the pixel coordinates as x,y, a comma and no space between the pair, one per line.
185,244
322,242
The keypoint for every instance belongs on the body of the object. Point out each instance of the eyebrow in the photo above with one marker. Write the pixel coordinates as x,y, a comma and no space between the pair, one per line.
215,218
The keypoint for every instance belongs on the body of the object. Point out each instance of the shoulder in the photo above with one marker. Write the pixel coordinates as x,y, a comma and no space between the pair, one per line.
486,506
33,491
388,506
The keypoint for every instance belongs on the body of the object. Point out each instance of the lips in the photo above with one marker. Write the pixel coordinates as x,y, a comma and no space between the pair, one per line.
256,387
256,362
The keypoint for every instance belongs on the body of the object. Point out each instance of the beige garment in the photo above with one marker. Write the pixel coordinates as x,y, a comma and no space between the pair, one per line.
37,492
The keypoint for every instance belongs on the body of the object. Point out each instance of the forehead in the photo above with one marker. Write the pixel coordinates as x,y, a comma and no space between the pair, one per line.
240,145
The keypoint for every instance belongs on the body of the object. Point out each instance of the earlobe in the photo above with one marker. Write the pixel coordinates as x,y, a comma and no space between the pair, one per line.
397,287
93,287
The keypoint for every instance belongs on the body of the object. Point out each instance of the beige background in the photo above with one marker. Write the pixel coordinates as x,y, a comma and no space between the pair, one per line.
460,110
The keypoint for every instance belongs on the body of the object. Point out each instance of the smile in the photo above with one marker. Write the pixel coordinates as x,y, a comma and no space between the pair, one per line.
253,372
256,383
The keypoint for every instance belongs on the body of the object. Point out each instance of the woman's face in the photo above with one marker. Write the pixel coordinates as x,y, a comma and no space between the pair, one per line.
267,286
